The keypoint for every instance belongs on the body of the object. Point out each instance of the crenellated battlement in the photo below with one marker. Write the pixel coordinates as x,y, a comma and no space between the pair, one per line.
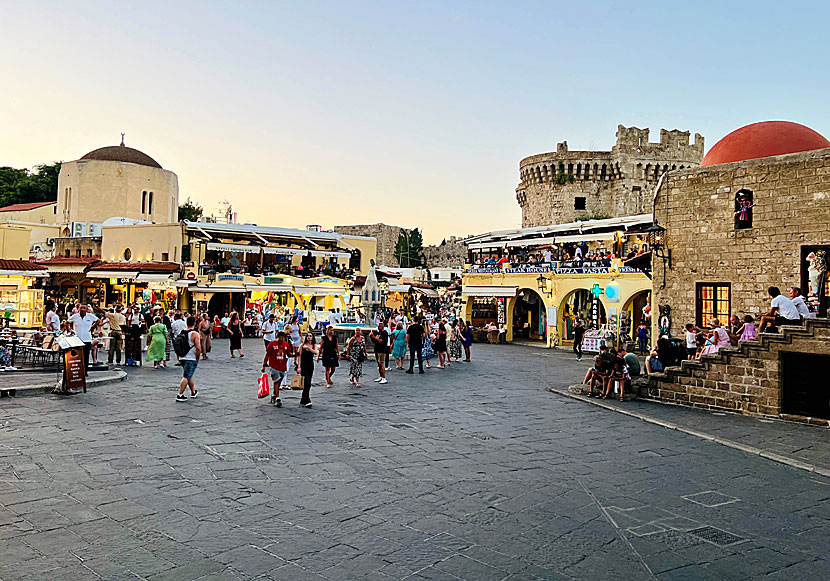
565,185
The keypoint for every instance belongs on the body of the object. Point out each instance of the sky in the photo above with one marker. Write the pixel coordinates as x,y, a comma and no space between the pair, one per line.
408,113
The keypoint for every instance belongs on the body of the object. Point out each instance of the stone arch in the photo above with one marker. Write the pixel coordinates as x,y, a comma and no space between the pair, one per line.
634,305
576,304
529,315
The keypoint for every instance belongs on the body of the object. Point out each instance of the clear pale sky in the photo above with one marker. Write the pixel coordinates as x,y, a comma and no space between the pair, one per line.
409,113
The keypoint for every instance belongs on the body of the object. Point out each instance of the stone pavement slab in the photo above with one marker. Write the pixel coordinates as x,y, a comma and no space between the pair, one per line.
800,445
473,472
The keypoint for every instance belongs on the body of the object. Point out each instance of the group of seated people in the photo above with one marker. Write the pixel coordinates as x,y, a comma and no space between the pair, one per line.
575,255
612,372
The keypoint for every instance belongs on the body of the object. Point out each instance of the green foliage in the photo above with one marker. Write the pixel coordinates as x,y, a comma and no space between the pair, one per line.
21,186
190,211
592,217
409,250
563,178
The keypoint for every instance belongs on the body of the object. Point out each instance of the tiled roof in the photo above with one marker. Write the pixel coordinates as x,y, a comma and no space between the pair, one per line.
19,265
24,207
138,266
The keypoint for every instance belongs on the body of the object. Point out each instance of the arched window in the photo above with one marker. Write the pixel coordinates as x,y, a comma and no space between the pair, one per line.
150,205
143,202
354,261
743,209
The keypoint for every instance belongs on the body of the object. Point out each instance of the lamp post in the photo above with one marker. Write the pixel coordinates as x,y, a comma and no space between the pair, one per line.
542,282
657,239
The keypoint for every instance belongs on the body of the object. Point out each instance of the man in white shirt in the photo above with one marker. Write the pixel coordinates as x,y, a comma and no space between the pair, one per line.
546,256
782,311
53,321
83,322
332,318
798,301
178,325
269,330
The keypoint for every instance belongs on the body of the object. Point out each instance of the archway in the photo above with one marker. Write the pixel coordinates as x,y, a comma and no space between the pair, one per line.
578,304
529,316
634,307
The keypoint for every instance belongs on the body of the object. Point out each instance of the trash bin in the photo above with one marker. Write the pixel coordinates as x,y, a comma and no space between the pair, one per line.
73,377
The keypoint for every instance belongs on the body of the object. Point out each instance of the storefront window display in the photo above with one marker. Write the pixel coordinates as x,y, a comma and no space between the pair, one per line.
21,307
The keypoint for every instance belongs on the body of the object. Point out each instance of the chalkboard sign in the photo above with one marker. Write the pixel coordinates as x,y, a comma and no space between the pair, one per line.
74,371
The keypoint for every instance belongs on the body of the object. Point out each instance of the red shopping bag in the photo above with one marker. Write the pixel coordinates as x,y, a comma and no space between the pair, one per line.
263,386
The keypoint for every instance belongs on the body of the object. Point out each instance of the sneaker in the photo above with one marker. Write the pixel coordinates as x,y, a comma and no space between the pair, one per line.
181,397
278,403
409,371
378,379
273,399
382,381
194,394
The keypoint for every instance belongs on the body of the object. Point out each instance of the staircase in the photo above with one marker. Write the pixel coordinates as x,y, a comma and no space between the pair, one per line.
744,379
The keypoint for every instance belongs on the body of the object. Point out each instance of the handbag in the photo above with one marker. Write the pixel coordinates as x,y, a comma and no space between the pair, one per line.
297,382
263,390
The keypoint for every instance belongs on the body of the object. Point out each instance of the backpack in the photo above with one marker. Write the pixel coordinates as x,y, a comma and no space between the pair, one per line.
181,343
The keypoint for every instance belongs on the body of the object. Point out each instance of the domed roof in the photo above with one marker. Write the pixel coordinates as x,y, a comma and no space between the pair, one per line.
122,153
764,139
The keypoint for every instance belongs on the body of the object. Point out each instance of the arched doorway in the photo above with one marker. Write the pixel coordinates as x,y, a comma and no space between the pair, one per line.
529,317
221,303
578,304
634,307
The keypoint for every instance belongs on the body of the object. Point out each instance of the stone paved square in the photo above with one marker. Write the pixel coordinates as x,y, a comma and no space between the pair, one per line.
474,472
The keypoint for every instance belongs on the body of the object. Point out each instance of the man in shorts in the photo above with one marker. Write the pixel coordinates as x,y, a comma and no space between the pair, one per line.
381,340
276,358
190,360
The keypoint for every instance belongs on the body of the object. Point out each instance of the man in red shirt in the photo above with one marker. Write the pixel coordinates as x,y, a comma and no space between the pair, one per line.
276,357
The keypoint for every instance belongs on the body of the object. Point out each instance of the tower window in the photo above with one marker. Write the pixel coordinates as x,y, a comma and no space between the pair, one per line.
143,202
150,205
579,203
743,209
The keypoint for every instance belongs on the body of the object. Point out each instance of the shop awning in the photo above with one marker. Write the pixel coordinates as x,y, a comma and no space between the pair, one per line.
276,288
153,277
244,248
398,288
184,282
331,254
430,292
319,291
470,290
585,237
285,251
34,273
217,289
67,268
131,274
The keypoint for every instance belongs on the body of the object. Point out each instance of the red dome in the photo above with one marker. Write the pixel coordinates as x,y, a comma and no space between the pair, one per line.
764,139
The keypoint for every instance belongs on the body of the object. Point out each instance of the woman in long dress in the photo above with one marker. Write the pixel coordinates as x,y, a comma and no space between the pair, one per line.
399,345
454,344
157,338
440,345
328,354
428,352
235,333
205,332
357,354
308,351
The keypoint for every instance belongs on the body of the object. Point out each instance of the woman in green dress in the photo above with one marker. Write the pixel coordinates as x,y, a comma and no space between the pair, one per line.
157,338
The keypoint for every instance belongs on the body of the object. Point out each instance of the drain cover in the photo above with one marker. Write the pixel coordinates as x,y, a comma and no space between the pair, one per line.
716,536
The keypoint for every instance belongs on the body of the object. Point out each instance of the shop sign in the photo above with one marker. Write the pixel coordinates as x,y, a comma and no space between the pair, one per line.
332,280
583,270
238,277
628,269
501,311
483,270
113,280
274,280
123,281
527,270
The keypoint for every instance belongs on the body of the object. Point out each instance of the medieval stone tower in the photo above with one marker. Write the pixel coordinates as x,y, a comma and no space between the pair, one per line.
564,186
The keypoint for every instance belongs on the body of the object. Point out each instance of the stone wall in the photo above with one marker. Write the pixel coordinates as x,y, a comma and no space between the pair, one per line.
619,182
745,379
387,237
452,252
792,210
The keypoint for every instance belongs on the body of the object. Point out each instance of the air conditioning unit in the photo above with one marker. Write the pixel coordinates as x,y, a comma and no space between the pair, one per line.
78,229
94,229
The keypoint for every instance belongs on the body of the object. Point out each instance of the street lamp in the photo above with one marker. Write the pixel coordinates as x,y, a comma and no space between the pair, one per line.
542,281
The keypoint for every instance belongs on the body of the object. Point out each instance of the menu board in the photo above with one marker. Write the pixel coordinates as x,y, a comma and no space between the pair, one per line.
74,374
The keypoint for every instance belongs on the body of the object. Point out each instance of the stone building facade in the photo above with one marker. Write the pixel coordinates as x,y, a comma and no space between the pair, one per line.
564,185
386,235
451,253
791,194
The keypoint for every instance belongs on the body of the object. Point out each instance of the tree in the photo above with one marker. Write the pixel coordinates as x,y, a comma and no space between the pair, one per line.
21,186
409,250
190,211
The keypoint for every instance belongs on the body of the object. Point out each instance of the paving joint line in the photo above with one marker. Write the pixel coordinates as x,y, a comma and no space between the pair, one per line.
702,435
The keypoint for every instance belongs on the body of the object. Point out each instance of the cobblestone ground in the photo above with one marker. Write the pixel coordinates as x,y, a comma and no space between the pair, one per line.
474,472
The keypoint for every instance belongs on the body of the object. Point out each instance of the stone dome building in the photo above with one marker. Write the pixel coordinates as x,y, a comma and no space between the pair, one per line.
764,139
114,181
564,186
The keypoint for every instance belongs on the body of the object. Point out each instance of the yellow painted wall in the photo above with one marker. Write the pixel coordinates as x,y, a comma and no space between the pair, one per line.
562,286
93,190
368,251
40,235
14,242
147,242
42,215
